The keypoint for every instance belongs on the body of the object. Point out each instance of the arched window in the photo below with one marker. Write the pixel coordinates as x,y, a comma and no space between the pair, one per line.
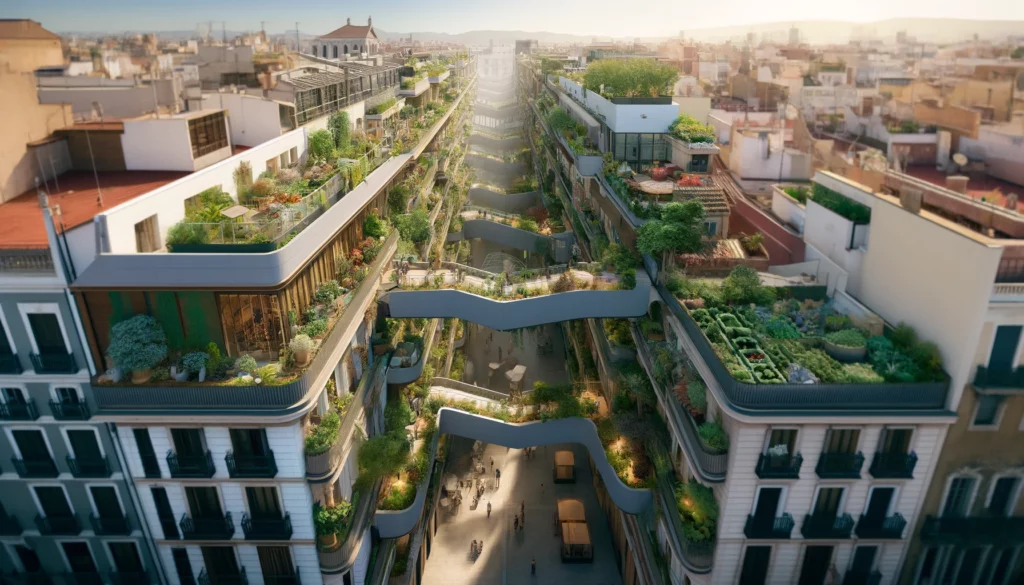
335,51
315,49
346,49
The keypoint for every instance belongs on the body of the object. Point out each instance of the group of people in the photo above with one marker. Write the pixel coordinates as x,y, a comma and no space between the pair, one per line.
529,452
519,522
475,548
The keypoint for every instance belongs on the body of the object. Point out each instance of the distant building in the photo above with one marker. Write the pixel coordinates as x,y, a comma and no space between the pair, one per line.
526,47
348,40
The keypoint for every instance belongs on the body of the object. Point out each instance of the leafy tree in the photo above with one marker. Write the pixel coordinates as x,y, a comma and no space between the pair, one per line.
414,226
743,286
340,130
383,455
678,231
321,146
548,66
630,77
640,388
1018,53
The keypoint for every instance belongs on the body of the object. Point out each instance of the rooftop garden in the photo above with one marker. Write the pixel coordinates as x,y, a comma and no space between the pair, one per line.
690,130
382,107
840,204
630,77
575,134
763,336
410,82
138,345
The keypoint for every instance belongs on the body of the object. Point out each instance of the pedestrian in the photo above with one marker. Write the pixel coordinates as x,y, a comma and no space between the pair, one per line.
499,353
533,567
515,523
488,509
522,508
497,478
492,462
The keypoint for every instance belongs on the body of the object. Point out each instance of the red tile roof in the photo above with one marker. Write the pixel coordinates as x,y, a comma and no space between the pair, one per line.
22,225
24,29
351,31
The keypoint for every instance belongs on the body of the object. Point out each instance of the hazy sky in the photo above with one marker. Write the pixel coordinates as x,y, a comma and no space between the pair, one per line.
621,18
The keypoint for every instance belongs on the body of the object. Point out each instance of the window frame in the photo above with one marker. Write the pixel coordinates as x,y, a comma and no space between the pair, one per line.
996,422
971,473
63,553
780,508
892,503
992,343
841,507
48,484
92,501
768,437
277,494
9,431
110,555
883,435
16,386
26,309
76,387
1014,497
67,440
7,332
215,486
13,554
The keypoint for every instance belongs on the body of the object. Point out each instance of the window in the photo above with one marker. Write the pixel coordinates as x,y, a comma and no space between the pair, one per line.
48,335
168,522
79,557
125,557
335,49
147,235
829,502
106,503
755,565
1003,495
987,411
959,494
208,134
276,563
895,441
183,566
293,155
67,395
252,325
150,464
28,558
11,396
283,159
52,501
6,343
711,228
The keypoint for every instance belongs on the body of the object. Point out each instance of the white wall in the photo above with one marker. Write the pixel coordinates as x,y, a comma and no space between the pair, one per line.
697,107
747,158
621,117
253,120
157,144
1003,154
167,202
830,235
788,210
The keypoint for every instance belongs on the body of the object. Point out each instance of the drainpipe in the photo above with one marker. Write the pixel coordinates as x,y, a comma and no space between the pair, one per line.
133,493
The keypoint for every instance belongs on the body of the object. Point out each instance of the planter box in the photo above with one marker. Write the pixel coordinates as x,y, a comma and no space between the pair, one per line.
845,354
420,87
388,112
225,248
589,165
439,78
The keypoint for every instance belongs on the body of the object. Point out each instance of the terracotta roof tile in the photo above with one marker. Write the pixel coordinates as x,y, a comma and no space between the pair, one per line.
23,28
351,31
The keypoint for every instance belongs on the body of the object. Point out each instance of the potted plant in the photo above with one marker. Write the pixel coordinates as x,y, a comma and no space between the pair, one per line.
847,345
329,520
658,172
195,363
246,365
300,346
137,345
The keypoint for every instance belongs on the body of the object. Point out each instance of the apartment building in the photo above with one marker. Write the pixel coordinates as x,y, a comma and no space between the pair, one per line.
67,504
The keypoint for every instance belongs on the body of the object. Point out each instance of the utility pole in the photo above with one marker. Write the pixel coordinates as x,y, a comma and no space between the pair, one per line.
223,32
298,47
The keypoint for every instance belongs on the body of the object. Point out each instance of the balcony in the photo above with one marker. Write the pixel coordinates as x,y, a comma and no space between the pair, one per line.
54,363
860,577
251,465
110,525
831,527
10,364
779,467
35,467
974,530
89,467
201,528
886,527
999,381
893,465
58,525
239,579
122,578
267,528
70,410
780,527
9,525
19,410
191,465
839,465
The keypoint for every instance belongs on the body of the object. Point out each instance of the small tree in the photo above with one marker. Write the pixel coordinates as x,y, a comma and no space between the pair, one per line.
639,386
383,455
678,231
321,147
340,130
414,226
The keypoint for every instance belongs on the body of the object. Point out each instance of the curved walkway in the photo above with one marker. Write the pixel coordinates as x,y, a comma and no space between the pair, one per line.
450,421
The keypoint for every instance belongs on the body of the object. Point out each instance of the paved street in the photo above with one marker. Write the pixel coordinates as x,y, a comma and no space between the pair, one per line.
507,554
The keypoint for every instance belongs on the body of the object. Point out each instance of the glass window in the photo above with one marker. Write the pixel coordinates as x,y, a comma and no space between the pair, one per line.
711,228
987,413
958,498
1004,495
209,133
252,325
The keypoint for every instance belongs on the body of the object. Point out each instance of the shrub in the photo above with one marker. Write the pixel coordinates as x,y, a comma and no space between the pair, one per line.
743,285
698,510
398,415
327,292
399,497
622,402
137,344
527,224
321,146
841,205
374,226
300,343
628,280
183,233
194,361
315,328
798,193
697,394
690,130
836,322
753,243
323,435
859,373
903,336
331,519
414,226
265,187
246,363
713,435
847,338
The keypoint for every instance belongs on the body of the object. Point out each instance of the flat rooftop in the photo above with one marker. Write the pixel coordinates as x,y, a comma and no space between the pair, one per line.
23,226
979,185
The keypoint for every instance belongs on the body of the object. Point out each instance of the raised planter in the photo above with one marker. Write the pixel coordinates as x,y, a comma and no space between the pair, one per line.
224,248
439,78
388,112
845,354
417,89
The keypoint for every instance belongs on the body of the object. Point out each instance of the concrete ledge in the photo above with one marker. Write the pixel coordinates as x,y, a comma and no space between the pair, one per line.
412,373
507,236
508,315
392,524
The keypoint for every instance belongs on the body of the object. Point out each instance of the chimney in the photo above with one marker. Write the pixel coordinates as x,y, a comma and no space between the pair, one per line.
348,21
369,21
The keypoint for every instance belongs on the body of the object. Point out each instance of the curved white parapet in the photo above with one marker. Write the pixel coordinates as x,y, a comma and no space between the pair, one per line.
450,421
509,315
510,237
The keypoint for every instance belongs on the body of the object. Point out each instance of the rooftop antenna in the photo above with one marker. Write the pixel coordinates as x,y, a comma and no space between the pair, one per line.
223,32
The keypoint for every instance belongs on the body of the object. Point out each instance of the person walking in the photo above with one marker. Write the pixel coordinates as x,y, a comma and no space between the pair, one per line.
522,508
488,509
515,524
497,478
533,567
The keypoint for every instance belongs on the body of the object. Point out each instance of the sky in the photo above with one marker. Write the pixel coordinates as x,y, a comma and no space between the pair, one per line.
620,18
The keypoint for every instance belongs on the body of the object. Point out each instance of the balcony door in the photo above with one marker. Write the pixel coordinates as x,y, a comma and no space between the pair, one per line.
104,498
79,557
203,502
31,445
815,568
829,502
958,497
276,563
842,441
28,558
188,442
1004,494
53,502
862,565
164,512
263,503
12,396
48,335
221,564
150,465
1004,348
249,443
126,557
755,565
767,507
879,503
896,441
84,445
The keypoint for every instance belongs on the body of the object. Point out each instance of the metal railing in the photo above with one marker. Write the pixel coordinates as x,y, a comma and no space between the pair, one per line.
64,410
267,528
191,465
251,465
9,525
110,525
35,467
64,525
985,378
779,466
230,579
89,467
54,363
774,528
10,364
26,261
882,527
744,396
839,465
893,465
976,530
207,528
827,526
19,410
